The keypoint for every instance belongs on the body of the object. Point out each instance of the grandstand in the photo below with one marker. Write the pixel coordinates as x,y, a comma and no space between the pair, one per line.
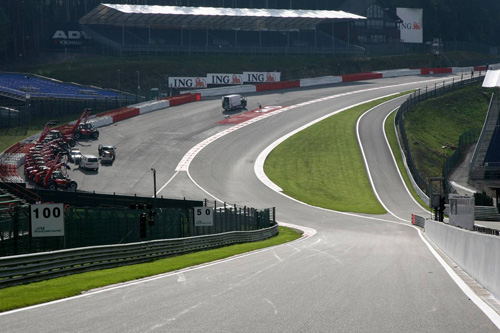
484,157
26,96
169,29
19,86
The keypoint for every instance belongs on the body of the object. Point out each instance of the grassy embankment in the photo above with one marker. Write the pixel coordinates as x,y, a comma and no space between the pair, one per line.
434,126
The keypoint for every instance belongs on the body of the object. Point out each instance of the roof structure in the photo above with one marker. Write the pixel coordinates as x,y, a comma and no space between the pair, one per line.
174,17
492,79
360,7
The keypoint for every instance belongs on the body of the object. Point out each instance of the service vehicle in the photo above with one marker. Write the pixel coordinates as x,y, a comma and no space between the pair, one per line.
57,179
233,102
107,154
87,130
56,134
74,155
80,128
89,162
54,178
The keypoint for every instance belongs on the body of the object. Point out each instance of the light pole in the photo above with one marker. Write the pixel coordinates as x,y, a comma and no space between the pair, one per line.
154,180
138,86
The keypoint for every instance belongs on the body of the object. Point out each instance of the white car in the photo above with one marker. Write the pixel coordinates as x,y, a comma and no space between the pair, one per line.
89,162
74,155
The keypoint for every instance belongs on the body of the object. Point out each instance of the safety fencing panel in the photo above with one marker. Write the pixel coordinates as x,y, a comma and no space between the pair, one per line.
27,268
114,225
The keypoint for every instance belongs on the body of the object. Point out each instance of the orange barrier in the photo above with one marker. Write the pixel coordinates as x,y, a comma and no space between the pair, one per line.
361,76
426,71
480,69
277,85
182,99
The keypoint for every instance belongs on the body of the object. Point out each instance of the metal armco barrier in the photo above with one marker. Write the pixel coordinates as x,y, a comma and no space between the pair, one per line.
27,268
485,230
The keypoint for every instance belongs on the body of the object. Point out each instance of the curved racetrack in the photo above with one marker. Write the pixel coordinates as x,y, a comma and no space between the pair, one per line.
355,274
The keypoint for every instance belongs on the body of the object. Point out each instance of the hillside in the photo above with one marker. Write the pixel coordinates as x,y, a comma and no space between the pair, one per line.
434,126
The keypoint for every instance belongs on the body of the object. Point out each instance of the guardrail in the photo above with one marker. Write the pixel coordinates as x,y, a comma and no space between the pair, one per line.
27,268
485,230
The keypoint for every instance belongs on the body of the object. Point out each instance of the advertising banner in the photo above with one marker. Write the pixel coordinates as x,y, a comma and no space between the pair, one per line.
411,28
187,82
225,78
67,35
261,77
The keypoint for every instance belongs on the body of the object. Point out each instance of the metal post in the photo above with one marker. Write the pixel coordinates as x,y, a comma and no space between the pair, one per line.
154,181
138,88
119,91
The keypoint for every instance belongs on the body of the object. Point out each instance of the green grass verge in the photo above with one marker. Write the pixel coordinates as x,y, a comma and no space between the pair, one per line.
434,126
323,166
53,289
391,137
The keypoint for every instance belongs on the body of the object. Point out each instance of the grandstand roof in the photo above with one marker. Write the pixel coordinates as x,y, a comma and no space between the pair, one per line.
211,17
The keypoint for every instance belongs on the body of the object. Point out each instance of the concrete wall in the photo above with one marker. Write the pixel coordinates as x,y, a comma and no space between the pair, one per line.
221,91
477,254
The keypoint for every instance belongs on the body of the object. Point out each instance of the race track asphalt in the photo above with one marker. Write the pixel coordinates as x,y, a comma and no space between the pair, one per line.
357,273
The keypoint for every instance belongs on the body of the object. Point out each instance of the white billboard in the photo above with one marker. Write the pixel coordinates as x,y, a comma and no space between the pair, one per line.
225,78
462,210
187,82
203,217
47,220
492,79
411,28
260,77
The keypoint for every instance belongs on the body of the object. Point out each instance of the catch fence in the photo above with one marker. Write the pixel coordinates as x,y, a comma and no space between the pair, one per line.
115,225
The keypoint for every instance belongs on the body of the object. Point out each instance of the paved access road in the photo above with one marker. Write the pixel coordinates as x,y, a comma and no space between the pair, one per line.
355,274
